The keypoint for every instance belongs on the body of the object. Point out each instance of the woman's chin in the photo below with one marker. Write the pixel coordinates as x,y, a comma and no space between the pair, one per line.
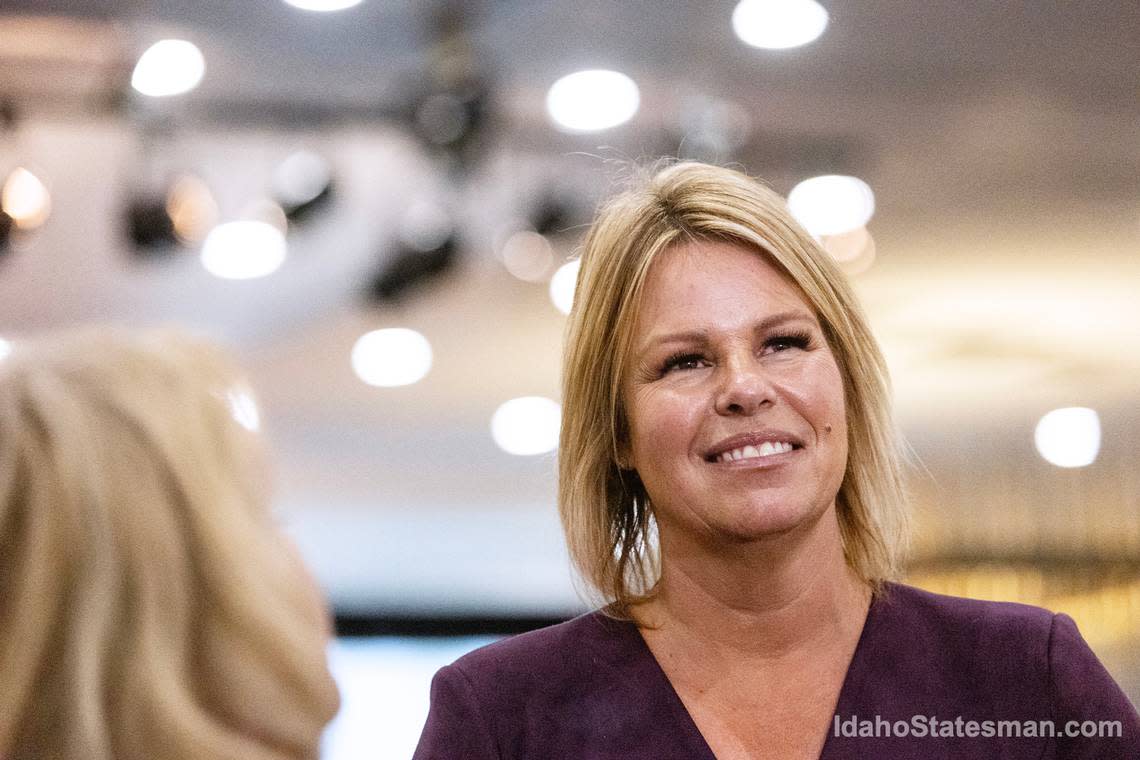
769,519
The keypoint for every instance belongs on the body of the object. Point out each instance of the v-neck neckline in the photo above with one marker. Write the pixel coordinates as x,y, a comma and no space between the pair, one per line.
688,726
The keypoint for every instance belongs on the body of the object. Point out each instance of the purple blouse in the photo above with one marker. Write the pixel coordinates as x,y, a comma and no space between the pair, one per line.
932,677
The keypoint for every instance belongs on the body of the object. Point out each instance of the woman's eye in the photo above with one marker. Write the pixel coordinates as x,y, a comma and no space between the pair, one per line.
784,342
682,361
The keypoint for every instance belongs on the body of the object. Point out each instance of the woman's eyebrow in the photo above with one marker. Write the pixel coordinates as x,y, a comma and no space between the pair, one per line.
701,336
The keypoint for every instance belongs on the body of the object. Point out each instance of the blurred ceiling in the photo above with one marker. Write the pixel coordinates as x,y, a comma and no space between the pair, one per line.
1001,140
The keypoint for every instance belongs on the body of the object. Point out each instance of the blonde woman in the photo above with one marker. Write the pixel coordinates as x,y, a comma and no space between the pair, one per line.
149,608
730,488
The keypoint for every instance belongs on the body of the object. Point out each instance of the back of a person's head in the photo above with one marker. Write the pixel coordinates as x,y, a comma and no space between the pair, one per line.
149,608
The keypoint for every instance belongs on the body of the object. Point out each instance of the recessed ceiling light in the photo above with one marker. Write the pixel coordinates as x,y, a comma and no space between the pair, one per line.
169,67
527,255
831,204
592,100
323,6
778,24
192,209
301,178
243,250
527,426
391,357
1069,437
563,284
26,199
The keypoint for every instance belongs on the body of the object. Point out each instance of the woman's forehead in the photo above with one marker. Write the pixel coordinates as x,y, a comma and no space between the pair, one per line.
716,281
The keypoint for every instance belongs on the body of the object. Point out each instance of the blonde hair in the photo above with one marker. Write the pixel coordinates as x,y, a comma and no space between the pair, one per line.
605,511
150,607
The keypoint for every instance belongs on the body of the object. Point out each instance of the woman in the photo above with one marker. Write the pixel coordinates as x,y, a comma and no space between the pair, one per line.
730,487
149,606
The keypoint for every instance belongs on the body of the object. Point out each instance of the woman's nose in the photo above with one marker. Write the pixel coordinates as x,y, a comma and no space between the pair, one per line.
743,389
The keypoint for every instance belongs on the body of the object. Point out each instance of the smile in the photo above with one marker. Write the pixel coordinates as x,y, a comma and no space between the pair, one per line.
766,449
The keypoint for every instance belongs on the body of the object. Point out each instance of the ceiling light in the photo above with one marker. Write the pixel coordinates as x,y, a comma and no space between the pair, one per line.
391,357
593,100
563,284
301,183
169,67
1069,437
778,24
243,250
527,255
831,204
25,199
191,208
526,426
323,6
5,348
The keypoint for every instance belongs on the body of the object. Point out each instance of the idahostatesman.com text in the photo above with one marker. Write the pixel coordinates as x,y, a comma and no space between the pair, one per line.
958,727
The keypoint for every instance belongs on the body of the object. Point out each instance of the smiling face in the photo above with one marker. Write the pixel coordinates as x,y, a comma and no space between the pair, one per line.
733,399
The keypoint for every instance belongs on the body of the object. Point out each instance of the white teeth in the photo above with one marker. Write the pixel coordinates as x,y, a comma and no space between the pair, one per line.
766,449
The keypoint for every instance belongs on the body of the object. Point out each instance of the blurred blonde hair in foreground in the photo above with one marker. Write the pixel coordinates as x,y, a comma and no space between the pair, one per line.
149,608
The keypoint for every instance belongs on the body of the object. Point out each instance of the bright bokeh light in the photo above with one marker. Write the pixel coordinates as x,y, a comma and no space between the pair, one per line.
243,250
391,357
778,24
323,6
831,204
301,177
192,209
527,255
244,409
1069,437
527,425
5,348
26,199
593,100
169,67
562,286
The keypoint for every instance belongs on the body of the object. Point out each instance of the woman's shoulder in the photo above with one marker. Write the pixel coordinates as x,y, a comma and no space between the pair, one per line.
923,651
968,648
559,651
985,650
956,616
584,688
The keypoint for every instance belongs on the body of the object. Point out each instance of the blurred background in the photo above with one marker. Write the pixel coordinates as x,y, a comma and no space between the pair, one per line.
376,205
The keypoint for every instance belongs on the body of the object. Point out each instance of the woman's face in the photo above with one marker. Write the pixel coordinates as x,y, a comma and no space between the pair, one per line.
734,400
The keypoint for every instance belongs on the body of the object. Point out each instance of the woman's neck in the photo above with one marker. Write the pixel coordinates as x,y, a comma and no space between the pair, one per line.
767,599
